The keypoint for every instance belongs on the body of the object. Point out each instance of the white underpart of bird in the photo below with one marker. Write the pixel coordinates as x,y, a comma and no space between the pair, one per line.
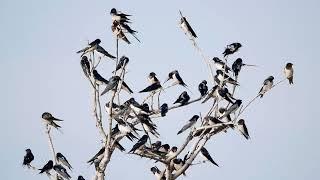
124,128
266,87
288,72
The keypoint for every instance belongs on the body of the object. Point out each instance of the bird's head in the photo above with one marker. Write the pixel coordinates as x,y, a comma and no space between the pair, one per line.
46,115
241,122
216,59
174,149
204,82
113,11
238,61
289,65
28,150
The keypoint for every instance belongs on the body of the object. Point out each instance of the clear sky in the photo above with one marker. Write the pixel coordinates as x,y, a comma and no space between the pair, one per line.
41,72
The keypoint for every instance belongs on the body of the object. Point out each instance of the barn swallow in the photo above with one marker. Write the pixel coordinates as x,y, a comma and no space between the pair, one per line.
101,50
128,29
63,160
225,79
115,108
61,171
50,120
80,178
178,164
159,175
243,128
113,83
224,93
139,144
174,75
185,26
127,128
119,16
267,85
164,109
236,66
85,66
99,79
190,124
203,88
123,61
91,47
207,156
115,131
288,71
47,167
183,98
164,148
173,152
97,157
155,83
212,94
117,31
156,146
231,109
28,158
231,48
220,65
136,107
148,125
221,112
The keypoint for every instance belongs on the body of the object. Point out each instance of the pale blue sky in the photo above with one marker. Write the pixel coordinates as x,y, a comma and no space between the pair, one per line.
41,72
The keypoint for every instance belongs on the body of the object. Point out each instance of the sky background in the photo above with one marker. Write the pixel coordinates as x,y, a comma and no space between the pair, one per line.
41,72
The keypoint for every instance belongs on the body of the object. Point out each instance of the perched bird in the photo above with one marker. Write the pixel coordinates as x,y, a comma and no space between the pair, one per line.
220,65
204,152
174,75
288,71
97,157
232,108
267,85
243,128
127,129
95,45
113,84
225,78
50,120
159,175
190,123
236,66
185,26
212,94
47,167
61,171
136,107
119,16
85,66
91,47
101,50
156,146
98,78
178,164
203,88
155,83
115,131
221,112
123,61
118,32
164,148
80,178
63,160
172,153
231,48
28,158
139,144
183,98
148,125
224,93
164,109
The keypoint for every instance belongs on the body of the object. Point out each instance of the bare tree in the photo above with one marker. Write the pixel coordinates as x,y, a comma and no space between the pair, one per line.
137,121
